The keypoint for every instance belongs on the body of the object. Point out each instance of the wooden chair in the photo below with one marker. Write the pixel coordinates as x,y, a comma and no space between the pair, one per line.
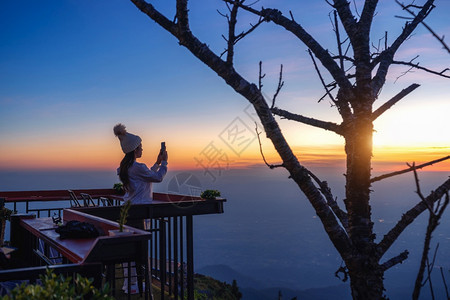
74,202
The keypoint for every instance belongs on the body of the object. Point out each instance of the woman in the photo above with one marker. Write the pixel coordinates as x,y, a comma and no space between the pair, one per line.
137,180
136,177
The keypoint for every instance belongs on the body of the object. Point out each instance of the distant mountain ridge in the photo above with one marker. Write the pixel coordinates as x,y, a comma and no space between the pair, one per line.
253,289
227,274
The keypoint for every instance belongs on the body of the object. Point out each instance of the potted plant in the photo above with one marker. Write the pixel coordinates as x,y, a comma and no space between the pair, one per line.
210,194
118,187
122,220
5,215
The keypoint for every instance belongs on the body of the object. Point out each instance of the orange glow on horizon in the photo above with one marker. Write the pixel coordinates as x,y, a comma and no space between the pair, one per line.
73,156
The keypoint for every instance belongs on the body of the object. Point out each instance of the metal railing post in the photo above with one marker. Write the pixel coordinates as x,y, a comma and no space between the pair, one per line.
190,256
162,253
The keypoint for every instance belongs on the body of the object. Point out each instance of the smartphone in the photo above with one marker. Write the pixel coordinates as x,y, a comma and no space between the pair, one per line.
163,147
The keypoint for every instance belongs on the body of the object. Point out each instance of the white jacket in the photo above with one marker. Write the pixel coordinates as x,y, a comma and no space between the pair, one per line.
140,189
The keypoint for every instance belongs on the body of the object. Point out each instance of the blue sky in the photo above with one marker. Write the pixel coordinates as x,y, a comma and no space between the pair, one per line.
70,70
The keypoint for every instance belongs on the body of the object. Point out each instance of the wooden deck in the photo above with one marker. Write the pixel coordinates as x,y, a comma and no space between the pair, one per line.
171,231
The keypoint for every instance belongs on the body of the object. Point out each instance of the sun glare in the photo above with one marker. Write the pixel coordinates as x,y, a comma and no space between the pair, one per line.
414,126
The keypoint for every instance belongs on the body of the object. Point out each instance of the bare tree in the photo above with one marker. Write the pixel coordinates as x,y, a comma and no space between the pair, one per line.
353,92
436,210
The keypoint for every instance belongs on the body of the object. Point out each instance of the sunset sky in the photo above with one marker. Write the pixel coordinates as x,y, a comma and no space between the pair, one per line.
71,70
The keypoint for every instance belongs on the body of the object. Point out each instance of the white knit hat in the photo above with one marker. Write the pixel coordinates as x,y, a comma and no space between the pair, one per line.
129,142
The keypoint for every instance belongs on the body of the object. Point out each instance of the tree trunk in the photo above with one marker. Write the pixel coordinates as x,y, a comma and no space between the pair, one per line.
366,279
358,148
366,276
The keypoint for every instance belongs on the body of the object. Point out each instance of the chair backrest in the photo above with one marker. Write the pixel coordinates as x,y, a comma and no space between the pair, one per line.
73,199
106,201
87,200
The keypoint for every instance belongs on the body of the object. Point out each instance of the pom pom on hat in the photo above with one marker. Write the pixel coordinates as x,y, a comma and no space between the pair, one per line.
129,142
119,130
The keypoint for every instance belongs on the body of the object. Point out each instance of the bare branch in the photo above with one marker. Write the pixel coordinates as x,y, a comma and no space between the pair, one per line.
384,176
378,47
430,266
409,217
280,85
309,121
182,17
224,15
429,270
338,40
393,101
347,18
233,39
419,192
348,47
440,39
433,222
252,27
326,191
321,53
410,70
445,283
320,77
387,56
394,261
261,150
325,95
356,8
292,16
249,91
231,33
367,15
260,77
385,39
155,15
344,57
417,66
342,269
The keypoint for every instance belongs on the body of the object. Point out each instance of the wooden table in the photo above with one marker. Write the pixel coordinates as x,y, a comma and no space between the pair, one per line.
109,250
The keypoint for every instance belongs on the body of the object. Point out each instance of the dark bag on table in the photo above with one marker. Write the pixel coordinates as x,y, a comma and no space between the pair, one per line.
77,230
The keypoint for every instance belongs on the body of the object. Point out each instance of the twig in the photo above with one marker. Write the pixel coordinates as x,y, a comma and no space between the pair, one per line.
430,267
386,57
322,54
280,85
356,9
324,95
231,32
419,192
381,177
342,269
445,283
320,77
404,74
292,16
260,149
260,77
252,27
233,39
440,39
416,66
433,222
430,283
